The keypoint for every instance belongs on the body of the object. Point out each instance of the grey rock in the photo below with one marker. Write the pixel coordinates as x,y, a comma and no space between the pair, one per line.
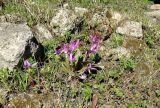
116,18
106,106
155,7
10,18
42,33
24,100
131,28
3,96
121,51
81,11
100,21
154,14
14,39
65,20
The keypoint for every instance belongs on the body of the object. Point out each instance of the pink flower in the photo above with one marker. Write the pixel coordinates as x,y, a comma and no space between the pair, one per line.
95,41
95,38
83,76
59,50
68,47
91,67
74,45
65,48
71,58
94,47
26,64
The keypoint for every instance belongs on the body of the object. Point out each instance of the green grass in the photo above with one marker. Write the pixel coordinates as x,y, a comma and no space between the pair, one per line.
125,82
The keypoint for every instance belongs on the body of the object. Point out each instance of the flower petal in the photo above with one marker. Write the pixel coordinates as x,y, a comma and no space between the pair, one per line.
94,47
83,76
72,58
26,64
58,50
74,45
66,48
95,38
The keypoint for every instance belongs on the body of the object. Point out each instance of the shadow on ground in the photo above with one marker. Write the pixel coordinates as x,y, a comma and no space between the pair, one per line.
156,1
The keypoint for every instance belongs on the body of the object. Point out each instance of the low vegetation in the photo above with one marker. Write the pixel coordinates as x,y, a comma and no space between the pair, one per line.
74,67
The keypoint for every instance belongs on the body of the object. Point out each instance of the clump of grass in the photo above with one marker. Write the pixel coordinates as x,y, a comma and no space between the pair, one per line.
127,63
116,40
149,41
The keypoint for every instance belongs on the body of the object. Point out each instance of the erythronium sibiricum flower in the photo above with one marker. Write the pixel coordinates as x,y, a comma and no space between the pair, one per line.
65,48
91,67
71,58
68,49
83,76
59,50
74,45
94,47
95,38
26,64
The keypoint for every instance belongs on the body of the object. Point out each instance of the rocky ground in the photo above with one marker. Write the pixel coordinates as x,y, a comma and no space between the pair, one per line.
126,61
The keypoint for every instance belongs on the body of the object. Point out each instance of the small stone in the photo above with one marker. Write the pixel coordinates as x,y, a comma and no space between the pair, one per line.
116,17
25,100
81,11
42,33
121,51
66,5
155,13
115,53
3,96
10,18
155,7
131,29
99,21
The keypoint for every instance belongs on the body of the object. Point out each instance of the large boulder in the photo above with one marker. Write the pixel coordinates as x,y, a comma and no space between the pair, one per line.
66,20
14,39
131,29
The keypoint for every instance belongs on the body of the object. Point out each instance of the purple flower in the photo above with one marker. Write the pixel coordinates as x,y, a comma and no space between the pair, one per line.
95,38
65,48
91,67
92,50
58,50
74,45
94,47
83,76
95,41
71,58
26,64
